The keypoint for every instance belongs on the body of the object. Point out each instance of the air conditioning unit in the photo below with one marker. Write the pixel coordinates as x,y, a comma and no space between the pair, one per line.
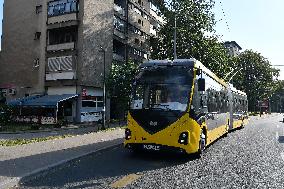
4,92
12,91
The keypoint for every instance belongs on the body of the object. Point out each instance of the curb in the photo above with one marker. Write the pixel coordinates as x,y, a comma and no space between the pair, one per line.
44,170
44,131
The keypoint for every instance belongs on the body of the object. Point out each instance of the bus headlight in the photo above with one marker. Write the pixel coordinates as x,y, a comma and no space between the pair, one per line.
127,134
183,138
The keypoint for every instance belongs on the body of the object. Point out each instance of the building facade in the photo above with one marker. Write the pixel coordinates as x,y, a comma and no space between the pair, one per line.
233,48
57,47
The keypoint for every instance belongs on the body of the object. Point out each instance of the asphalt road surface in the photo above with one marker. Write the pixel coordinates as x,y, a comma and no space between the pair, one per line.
252,157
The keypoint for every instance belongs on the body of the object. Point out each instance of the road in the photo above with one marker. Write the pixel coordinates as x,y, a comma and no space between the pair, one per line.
252,157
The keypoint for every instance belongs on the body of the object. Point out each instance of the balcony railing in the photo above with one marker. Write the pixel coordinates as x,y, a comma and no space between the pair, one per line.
62,46
119,9
62,18
157,17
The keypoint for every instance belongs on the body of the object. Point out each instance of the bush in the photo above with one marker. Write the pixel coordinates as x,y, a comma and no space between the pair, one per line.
6,114
61,123
35,127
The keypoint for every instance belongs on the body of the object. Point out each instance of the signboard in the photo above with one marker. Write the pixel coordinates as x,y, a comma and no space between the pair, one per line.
263,104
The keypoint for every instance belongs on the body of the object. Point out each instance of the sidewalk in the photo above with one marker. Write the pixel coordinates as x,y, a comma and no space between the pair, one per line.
20,162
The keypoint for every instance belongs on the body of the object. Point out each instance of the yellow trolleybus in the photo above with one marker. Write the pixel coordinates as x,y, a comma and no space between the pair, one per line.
178,105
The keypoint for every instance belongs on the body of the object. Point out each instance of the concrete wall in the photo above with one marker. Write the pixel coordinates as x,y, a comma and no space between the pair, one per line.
20,50
95,30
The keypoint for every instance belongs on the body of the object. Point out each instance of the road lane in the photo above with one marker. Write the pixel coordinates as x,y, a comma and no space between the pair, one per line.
247,158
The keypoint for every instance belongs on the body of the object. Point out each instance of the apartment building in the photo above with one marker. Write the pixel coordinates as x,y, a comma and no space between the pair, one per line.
233,48
57,47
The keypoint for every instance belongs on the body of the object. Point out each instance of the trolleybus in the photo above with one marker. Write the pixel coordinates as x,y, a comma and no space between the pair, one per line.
182,106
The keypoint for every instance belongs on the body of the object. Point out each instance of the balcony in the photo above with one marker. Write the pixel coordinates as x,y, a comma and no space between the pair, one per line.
157,17
59,47
119,10
62,18
60,68
119,34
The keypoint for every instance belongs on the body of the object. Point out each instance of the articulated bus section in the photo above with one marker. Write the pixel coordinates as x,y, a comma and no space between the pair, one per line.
181,106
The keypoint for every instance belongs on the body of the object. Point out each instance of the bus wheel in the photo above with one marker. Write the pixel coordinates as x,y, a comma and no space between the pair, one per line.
202,143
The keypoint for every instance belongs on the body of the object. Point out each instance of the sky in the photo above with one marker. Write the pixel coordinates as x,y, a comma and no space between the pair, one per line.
253,24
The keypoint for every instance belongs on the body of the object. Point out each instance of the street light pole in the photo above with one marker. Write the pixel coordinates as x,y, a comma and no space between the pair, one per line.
104,88
231,97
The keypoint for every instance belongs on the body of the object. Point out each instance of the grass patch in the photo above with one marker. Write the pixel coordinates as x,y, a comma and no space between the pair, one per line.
113,128
16,127
16,142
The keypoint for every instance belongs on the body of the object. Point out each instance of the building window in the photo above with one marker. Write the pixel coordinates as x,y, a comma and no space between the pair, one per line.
37,35
119,24
137,41
61,7
38,9
94,102
62,35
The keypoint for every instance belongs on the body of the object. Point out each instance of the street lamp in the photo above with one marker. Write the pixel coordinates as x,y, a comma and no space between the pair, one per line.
104,83
231,97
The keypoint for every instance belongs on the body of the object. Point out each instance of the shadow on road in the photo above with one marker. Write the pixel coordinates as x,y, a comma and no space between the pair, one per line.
112,163
281,139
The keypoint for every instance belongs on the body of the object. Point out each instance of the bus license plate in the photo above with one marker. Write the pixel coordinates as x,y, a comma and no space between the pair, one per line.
151,147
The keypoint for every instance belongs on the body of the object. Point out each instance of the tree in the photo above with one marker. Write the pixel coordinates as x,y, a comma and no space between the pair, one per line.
119,86
257,77
195,21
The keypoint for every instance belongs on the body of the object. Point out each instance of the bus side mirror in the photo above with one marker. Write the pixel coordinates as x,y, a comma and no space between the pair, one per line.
201,84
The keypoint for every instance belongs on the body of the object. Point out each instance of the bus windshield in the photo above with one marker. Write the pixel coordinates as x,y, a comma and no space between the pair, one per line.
164,89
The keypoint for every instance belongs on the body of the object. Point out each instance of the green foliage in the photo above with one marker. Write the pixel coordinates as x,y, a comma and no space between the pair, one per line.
195,20
6,113
28,141
119,84
257,76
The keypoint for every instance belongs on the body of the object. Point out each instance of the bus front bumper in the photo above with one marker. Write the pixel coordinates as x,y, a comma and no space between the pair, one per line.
154,148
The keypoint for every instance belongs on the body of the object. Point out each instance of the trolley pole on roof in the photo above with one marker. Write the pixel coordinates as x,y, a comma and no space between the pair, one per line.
234,75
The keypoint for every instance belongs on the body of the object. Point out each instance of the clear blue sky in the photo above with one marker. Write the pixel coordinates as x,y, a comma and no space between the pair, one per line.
254,24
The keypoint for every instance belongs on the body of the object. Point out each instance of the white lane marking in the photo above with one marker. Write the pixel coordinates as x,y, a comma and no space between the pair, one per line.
277,135
282,156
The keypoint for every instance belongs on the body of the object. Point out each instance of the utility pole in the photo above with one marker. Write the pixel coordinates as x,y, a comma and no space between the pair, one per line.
104,88
231,97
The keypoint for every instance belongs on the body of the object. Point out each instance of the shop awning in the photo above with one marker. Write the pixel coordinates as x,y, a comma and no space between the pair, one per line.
46,101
